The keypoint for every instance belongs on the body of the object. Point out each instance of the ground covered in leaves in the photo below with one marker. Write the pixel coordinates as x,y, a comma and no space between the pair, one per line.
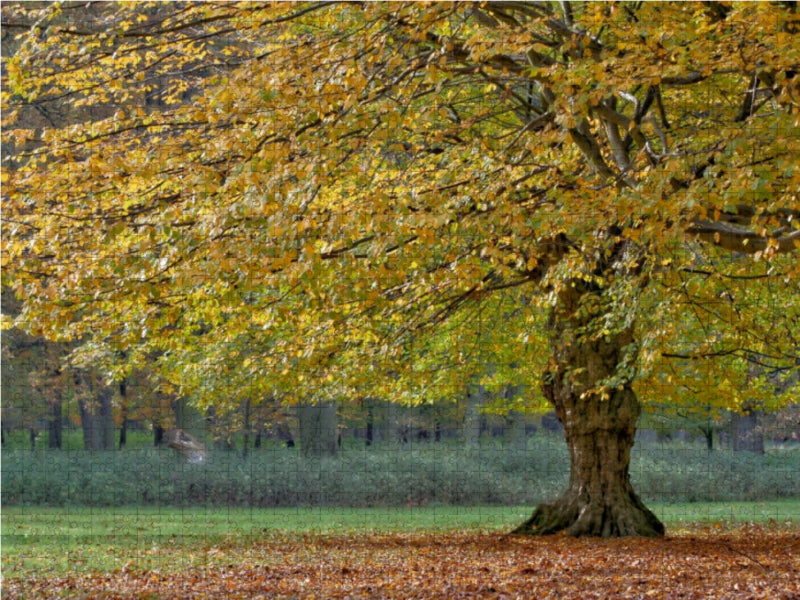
747,562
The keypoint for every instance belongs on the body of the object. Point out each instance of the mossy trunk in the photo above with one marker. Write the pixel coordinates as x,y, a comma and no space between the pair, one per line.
588,383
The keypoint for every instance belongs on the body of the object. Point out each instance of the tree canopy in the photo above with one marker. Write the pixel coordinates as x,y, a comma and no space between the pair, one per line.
326,197
330,200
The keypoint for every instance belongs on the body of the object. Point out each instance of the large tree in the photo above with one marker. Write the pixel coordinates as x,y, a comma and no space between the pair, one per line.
325,200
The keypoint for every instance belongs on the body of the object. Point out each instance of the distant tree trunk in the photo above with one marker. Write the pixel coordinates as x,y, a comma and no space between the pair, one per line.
708,434
318,429
55,427
369,407
471,429
123,429
746,434
246,429
599,426
123,432
105,400
88,426
33,434
97,421
158,434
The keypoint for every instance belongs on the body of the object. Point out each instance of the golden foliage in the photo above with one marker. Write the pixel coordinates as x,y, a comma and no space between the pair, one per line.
315,200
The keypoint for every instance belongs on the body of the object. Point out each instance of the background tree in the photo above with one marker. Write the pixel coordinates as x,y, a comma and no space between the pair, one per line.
24,406
333,201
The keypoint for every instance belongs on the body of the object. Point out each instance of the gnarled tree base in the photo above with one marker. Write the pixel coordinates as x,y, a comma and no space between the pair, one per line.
578,516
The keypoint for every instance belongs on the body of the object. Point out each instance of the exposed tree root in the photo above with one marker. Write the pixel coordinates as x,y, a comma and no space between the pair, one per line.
577,516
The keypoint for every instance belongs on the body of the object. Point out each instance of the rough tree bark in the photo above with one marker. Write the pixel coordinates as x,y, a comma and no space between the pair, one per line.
599,425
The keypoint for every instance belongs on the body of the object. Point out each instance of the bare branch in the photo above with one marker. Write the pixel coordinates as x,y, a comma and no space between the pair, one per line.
566,9
591,151
615,141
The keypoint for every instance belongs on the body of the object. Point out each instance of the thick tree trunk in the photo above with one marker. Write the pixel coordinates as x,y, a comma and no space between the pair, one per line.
55,427
594,401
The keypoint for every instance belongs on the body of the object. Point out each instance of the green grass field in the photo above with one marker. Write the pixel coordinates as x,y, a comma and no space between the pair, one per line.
37,541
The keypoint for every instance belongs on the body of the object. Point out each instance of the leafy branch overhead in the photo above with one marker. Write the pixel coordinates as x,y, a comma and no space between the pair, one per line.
336,190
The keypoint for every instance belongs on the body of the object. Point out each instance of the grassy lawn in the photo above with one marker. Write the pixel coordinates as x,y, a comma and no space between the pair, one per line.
38,541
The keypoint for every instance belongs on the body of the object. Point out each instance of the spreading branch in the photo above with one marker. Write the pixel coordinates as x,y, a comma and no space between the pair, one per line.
736,239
